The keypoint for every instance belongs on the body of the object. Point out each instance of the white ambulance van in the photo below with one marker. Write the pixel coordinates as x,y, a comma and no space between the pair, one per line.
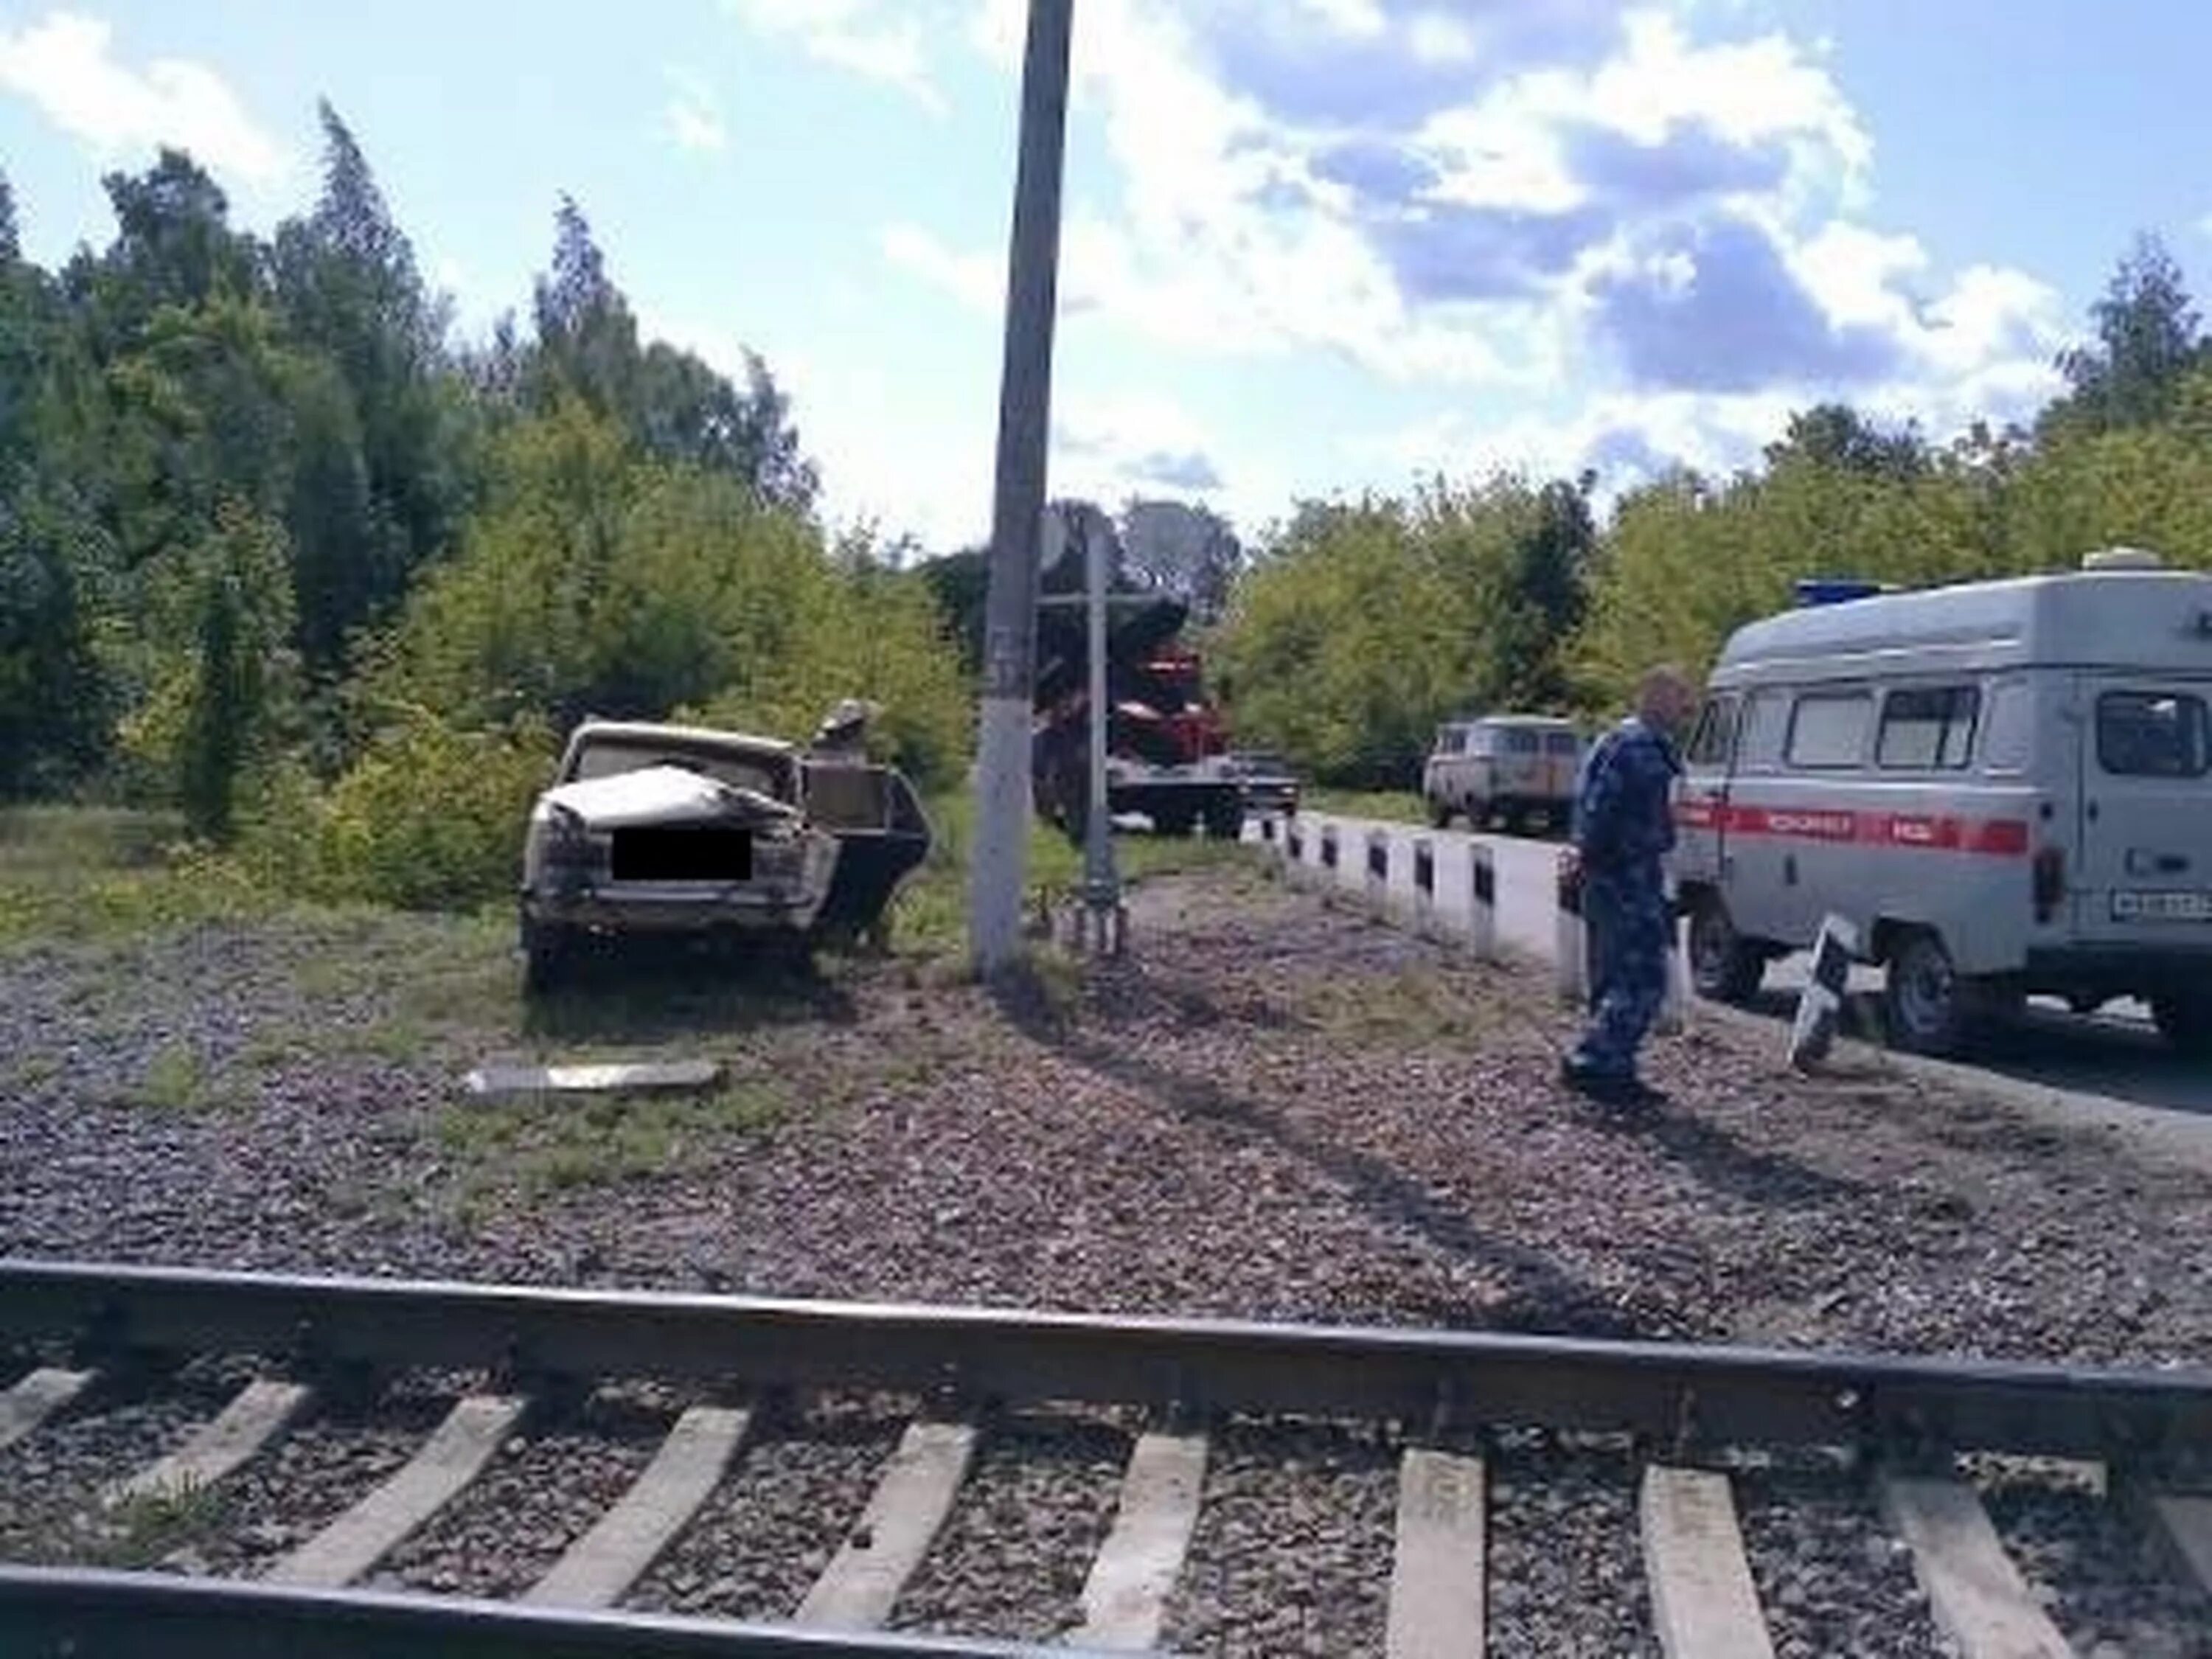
2005,786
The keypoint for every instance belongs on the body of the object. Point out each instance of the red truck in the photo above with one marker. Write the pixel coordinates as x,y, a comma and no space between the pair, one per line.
1167,741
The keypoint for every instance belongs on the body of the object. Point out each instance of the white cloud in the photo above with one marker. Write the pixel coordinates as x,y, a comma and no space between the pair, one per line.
1659,216
881,41
1482,247
691,119
977,280
64,65
1437,37
1107,449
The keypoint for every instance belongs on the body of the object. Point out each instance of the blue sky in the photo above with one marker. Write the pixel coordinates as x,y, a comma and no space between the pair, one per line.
1312,246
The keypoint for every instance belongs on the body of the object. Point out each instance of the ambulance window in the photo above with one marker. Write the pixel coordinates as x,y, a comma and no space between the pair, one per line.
1519,740
1562,742
1925,727
1715,738
1766,722
2005,746
1828,730
2153,734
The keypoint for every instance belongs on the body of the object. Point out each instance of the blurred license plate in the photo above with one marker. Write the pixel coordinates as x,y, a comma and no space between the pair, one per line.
2131,905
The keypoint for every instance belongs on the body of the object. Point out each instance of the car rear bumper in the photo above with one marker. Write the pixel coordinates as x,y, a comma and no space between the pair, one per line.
604,910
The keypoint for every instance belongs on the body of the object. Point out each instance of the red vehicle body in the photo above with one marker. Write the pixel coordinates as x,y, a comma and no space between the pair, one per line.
1167,741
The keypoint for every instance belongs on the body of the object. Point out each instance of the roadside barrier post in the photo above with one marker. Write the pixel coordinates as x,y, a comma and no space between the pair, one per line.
1482,902
1294,850
1574,973
1674,1008
1821,1004
1328,848
1268,827
1425,886
1378,871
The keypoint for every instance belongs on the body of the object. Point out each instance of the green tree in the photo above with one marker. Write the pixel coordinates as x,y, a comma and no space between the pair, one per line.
223,689
673,404
2145,340
382,471
1838,437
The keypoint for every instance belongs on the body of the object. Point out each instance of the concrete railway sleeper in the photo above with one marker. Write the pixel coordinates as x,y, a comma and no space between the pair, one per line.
1447,1418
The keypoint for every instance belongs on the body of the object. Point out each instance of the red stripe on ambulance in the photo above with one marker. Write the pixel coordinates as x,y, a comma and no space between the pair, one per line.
1996,837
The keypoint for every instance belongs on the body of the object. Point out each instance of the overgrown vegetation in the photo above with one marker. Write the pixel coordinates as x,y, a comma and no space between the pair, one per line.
285,563
543,1146
280,558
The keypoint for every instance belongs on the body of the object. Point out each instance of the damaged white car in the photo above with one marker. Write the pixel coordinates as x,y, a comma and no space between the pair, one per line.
654,830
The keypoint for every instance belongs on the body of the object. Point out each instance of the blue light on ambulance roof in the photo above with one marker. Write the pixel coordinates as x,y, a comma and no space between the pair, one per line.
1835,590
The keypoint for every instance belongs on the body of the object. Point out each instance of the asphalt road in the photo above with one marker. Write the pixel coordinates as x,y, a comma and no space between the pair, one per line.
2115,1053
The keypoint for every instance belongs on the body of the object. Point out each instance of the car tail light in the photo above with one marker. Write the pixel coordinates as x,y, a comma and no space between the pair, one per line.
2050,881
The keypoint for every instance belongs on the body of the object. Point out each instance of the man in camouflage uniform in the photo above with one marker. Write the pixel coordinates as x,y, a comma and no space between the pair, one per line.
1624,828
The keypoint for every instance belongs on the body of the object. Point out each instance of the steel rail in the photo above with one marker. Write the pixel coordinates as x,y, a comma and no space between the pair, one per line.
46,1613
1678,1396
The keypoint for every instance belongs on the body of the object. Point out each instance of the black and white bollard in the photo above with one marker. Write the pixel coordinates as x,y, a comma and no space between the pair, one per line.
1674,1017
1328,848
1267,828
1573,938
1424,887
1482,902
1294,849
1821,1004
1378,871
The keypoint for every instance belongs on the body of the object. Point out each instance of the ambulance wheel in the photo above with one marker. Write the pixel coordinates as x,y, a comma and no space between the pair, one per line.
1723,966
2184,1020
1924,999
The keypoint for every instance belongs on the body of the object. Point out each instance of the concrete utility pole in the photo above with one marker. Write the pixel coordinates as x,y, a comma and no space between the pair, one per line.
1000,868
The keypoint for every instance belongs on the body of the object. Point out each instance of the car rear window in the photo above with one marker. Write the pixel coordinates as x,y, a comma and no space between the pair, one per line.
604,759
1563,742
2153,734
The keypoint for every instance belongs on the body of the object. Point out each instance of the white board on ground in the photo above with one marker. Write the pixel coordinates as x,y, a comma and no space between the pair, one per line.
628,1077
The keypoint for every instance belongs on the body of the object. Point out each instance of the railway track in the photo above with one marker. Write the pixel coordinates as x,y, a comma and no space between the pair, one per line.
1438,1430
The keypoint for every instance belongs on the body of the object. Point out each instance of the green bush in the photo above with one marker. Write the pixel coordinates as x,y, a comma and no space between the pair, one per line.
431,816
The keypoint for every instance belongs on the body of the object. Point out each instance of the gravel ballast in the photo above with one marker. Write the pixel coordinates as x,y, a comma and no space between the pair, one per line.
1567,1561
1829,1578
1013,1555
1274,1108
781,1513
1292,1552
542,1490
